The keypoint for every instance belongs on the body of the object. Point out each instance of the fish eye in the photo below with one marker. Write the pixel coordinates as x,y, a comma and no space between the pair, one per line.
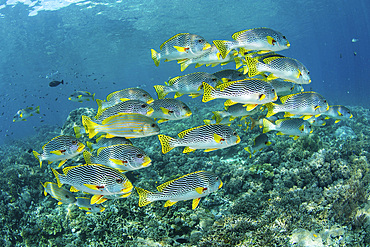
200,41
119,180
67,196
261,95
273,90
308,72
74,142
144,95
153,125
139,156
284,37
143,106
325,101
214,79
234,133
216,178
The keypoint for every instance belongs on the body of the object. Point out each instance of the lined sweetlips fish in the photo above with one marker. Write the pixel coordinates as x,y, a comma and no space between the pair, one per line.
59,193
192,186
81,96
294,127
227,75
169,109
123,157
338,112
84,203
180,46
23,114
209,137
60,148
95,179
106,142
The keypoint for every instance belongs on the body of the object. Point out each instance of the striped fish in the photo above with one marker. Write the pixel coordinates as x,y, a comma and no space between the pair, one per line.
227,75
279,67
58,193
305,103
129,125
187,84
169,109
60,148
338,112
209,137
123,95
191,186
294,127
233,111
84,203
128,106
106,142
122,157
96,179
251,92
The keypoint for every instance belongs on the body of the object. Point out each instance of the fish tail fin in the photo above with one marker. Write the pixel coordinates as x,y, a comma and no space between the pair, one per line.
208,91
100,104
270,109
89,145
57,176
253,123
238,62
223,47
37,156
143,196
252,66
160,91
267,125
87,156
77,131
217,115
249,151
37,109
155,57
166,143
90,126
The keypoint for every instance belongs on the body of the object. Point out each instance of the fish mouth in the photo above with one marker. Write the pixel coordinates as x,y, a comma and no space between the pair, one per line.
81,147
147,161
206,46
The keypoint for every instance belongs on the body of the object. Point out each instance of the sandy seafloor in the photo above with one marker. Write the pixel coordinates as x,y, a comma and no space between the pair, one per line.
310,192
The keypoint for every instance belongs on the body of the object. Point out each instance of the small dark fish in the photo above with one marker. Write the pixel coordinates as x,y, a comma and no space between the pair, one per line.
55,83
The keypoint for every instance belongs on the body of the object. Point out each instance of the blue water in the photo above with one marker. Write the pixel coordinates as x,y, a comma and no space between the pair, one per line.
105,46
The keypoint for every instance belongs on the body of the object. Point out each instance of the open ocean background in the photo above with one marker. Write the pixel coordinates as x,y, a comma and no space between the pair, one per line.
104,46
313,191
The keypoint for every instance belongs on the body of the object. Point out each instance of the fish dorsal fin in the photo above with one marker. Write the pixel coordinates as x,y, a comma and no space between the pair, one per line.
68,168
111,94
49,142
183,133
236,35
174,37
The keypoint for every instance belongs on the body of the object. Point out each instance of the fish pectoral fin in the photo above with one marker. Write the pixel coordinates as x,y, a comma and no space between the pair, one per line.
181,49
210,150
200,190
280,133
287,114
307,117
337,121
165,111
61,163
96,199
169,203
250,106
118,162
295,137
188,150
60,203
73,189
301,128
218,138
92,186
195,203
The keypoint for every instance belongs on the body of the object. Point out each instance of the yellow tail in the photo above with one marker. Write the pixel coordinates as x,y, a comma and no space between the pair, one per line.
90,126
87,156
267,125
37,156
207,95
249,151
222,46
160,91
155,57
57,176
143,196
252,66
166,143
217,115
270,109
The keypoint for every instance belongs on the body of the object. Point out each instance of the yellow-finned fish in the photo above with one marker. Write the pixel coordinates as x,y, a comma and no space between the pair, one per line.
338,112
96,179
116,97
279,67
192,186
209,137
251,92
234,111
180,46
60,194
187,84
81,96
60,148
129,125
259,143
227,75
106,142
123,157
260,39
294,127
305,103
23,114
84,203
169,109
